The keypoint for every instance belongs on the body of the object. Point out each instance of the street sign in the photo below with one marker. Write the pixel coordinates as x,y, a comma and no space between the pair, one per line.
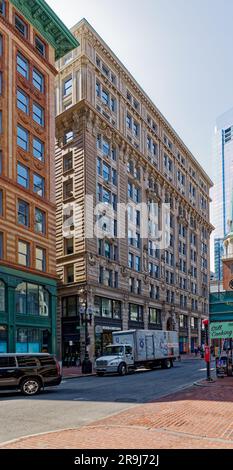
221,330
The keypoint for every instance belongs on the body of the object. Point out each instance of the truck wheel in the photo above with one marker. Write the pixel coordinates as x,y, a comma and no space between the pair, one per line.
166,364
122,369
100,374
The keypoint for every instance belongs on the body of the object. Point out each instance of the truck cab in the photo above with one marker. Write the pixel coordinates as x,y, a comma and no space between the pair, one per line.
117,358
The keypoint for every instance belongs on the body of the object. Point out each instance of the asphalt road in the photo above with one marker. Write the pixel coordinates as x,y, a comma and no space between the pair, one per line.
77,402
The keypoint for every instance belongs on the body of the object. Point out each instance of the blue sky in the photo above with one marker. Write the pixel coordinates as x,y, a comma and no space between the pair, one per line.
180,51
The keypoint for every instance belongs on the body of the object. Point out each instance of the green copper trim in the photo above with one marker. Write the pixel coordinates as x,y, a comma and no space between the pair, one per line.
16,275
47,23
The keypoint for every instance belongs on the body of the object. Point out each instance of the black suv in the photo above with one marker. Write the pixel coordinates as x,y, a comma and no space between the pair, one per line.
28,372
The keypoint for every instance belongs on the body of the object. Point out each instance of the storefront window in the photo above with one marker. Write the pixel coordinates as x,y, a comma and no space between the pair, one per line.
155,316
116,307
2,296
28,340
31,299
97,306
107,308
3,339
135,312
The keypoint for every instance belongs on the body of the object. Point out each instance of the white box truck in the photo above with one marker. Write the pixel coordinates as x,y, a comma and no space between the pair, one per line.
132,349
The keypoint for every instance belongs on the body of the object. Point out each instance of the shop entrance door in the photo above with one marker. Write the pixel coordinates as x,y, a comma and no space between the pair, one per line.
71,354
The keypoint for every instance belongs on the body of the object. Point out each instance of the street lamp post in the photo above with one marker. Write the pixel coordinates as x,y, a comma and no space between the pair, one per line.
86,319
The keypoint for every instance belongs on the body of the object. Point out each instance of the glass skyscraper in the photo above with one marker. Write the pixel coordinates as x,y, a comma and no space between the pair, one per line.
223,188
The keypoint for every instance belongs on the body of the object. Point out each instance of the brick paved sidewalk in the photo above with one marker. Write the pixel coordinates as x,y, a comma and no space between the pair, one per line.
198,417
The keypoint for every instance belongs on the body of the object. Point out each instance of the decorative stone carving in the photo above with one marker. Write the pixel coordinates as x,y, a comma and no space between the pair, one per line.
91,259
124,271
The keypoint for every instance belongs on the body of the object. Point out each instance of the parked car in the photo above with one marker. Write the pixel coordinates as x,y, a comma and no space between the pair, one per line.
28,373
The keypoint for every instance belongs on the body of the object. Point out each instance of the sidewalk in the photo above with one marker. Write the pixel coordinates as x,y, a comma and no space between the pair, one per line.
74,372
200,417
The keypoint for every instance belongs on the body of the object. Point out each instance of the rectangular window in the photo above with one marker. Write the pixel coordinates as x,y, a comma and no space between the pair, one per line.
70,306
23,253
1,45
39,221
105,97
68,137
22,138
1,257
40,46
38,114
131,261
38,149
38,80
2,7
106,172
22,66
0,83
23,175
69,246
128,121
1,202
98,89
21,26
69,274
68,188
68,87
106,148
22,101
40,259
137,263
38,185
113,104
23,213
135,129
68,162
135,312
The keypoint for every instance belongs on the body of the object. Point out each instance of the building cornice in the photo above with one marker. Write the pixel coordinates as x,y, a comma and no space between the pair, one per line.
76,115
47,23
87,30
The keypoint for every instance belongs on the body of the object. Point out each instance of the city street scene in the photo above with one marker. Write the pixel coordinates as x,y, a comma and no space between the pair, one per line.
116,227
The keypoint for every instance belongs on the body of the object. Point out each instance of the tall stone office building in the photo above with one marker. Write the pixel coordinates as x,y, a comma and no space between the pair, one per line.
113,143
31,38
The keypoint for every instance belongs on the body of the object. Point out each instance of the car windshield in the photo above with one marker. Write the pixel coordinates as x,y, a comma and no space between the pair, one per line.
114,350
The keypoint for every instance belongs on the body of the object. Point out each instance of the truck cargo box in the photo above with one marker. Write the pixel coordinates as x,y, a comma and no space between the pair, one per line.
149,344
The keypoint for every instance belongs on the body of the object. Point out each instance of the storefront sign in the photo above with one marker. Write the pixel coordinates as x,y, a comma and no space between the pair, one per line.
222,330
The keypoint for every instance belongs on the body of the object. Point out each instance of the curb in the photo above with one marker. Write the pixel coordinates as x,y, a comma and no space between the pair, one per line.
64,377
205,384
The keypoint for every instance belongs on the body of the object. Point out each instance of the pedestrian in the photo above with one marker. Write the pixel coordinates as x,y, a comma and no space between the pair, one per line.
195,351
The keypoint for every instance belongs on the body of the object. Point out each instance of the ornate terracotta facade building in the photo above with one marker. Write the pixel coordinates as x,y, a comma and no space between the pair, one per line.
113,143
31,39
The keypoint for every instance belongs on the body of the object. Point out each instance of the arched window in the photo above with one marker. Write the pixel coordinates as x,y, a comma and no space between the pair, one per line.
2,296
